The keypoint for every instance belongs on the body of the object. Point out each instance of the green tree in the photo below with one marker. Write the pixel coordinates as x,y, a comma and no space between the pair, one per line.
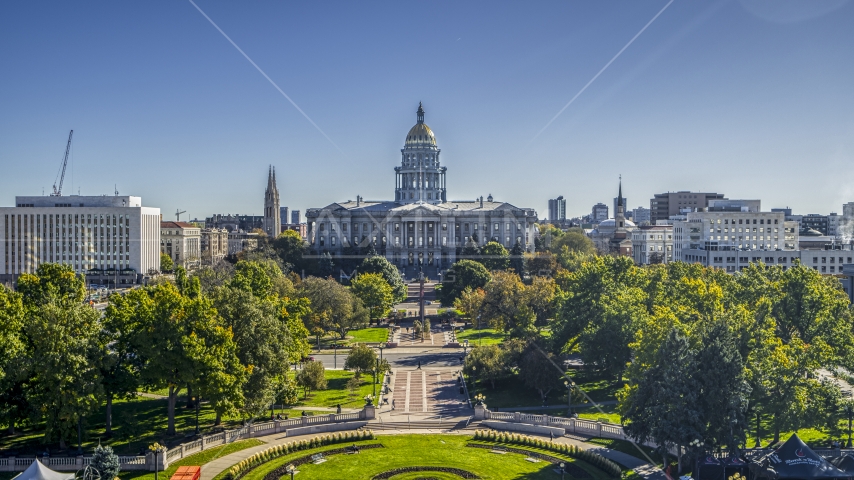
470,303
575,241
548,235
64,380
724,390
52,282
262,343
166,264
106,462
255,277
486,363
181,341
361,359
505,305
11,323
664,406
332,306
537,368
312,377
517,259
119,365
494,256
381,265
375,293
462,274
291,248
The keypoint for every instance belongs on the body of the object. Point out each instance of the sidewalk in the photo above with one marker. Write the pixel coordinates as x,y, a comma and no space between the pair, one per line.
641,467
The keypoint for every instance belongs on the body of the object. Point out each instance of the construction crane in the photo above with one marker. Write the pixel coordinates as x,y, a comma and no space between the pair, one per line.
178,214
57,192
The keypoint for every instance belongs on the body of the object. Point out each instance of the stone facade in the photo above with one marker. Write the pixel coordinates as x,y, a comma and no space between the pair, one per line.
420,228
214,245
97,235
182,241
272,212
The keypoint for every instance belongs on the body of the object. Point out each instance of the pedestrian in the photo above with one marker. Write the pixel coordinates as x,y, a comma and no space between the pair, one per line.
339,409
419,364
392,404
551,435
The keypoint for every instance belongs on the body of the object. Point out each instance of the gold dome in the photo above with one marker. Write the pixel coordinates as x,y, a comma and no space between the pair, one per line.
420,134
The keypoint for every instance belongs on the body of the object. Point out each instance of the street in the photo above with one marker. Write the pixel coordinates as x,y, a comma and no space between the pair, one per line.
428,357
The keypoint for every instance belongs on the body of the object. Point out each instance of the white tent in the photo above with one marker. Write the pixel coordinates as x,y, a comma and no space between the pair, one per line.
37,471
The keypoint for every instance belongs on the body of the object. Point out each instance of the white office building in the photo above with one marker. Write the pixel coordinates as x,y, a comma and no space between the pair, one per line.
652,244
111,240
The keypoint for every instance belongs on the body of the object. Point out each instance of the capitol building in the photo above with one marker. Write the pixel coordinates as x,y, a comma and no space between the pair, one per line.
420,228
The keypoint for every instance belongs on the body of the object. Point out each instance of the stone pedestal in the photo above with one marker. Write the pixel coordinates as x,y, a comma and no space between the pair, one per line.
480,411
369,412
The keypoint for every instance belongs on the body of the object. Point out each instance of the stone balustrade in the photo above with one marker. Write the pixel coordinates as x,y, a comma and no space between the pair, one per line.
161,461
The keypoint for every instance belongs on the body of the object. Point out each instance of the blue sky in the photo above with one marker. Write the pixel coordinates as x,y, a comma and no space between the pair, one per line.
749,98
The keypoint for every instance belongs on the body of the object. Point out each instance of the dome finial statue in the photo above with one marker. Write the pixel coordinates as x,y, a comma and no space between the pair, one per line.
420,113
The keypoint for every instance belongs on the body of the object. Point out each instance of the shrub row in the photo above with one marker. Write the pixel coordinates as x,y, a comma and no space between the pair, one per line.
272,453
397,471
609,467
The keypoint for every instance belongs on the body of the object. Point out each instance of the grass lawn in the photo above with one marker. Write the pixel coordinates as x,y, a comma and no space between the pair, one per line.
368,335
511,392
484,336
422,450
199,459
336,392
137,423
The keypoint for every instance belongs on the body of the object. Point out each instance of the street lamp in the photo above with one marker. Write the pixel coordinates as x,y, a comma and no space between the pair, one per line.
197,400
849,411
696,443
381,347
562,470
291,469
569,386
335,355
376,374
156,447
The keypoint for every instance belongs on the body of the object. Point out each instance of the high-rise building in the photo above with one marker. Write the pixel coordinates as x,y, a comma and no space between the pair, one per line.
557,210
815,221
283,215
663,205
599,213
295,217
272,220
640,215
112,240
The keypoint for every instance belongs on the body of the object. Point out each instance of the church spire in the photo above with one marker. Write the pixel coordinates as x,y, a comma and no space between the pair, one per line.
620,194
420,113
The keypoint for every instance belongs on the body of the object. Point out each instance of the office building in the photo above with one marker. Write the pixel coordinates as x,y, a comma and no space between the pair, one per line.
663,205
112,240
235,223
641,216
284,215
214,245
814,221
295,217
652,244
599,213
182,241
557,210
